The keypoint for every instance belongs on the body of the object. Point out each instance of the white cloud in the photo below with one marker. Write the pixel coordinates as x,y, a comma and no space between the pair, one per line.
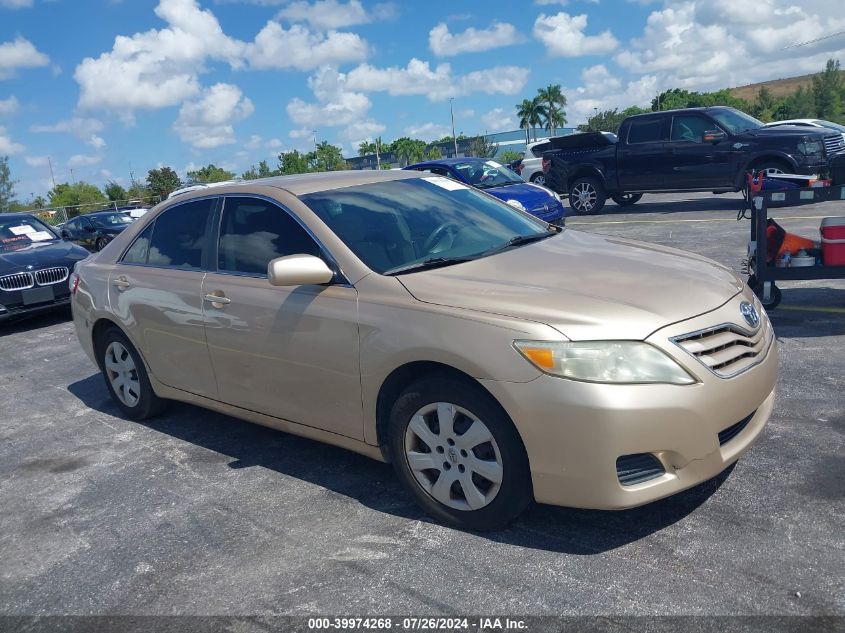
332,14
418,78
563,35
499,120
299,48
336,104
254,142
365,130
20,53
444,44
9,106
85,128
36,161
428,131
15,4
600,89
274,144
207,122
83,160
7,145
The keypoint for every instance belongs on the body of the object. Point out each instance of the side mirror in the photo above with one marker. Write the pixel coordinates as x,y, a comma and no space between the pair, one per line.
714,136
298,270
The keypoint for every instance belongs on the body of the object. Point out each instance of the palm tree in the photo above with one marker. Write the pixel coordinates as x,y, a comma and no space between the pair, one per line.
531,113
553,101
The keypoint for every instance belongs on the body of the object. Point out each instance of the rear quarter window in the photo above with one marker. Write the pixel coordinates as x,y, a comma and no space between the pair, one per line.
645,131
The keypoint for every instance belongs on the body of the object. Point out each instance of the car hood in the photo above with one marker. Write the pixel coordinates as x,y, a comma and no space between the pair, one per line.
44,255
531,196
787,130
586,286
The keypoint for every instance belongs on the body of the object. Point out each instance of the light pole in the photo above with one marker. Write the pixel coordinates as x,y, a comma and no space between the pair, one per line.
452,114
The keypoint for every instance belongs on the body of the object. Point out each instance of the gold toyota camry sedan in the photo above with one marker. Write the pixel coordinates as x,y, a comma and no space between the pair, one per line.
492,358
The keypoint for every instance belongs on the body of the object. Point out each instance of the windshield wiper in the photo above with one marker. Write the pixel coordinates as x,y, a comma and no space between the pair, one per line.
519,240
427,264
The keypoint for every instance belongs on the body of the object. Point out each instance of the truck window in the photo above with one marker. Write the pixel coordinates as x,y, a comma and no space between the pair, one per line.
645,131
689,128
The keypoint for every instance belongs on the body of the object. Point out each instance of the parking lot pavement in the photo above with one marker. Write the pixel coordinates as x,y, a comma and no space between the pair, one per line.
198,513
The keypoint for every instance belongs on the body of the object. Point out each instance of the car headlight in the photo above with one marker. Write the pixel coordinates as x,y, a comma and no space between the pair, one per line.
619,362
810,148
516,204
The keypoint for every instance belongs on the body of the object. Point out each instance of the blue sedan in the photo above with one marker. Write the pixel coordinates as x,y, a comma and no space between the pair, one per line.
498,181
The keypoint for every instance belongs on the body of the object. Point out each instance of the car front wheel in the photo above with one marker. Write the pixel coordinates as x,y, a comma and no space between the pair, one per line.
459,454
587,196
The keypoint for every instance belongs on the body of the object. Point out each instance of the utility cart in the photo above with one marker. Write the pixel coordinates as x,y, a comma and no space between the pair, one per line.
764,274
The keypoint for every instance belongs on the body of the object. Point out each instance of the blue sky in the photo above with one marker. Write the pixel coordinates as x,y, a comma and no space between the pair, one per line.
105,86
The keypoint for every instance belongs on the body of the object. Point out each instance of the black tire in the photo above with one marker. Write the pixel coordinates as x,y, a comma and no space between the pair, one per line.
539,179
101,243
593,200
515,491
626,199
149,404
773,165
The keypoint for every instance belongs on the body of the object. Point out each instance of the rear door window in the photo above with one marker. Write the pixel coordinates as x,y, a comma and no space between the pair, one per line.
689,128
179,237
645,131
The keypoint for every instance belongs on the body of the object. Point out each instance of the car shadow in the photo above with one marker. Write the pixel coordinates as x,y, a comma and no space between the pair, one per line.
668,203
373,484
35,321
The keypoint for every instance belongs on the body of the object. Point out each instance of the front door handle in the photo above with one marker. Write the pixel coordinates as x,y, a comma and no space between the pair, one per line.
217,300
121,283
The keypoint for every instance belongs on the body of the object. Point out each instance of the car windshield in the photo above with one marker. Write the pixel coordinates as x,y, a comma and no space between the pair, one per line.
17,233
486,174
735,121
111,219
399,225
831,125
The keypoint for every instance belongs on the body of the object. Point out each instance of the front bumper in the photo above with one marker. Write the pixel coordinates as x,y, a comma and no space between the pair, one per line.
12,305
574,432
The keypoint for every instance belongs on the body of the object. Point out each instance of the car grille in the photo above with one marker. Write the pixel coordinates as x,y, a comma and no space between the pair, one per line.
637,468
17,281
51,276
728,350
834,144
732,431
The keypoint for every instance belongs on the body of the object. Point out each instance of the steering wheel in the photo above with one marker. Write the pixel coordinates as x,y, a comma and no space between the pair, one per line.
438,233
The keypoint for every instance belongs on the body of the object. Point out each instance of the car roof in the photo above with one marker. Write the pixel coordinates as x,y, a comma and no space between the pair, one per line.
787,121
18,216
302,184
451,161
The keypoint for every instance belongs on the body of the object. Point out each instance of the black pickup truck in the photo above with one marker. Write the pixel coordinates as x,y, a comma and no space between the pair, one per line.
696,149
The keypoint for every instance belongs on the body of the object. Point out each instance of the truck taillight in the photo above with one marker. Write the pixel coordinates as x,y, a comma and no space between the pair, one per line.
74,283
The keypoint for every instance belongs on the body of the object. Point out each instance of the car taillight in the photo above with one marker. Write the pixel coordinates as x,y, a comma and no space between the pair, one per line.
74,283
545,165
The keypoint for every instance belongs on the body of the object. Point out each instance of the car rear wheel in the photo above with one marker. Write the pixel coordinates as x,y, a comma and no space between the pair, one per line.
539,179
627,199
459,454
586,196
126,377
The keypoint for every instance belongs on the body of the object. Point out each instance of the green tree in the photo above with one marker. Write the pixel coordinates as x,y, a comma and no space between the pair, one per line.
531,113
554,102
365,148
162,182
81,194
609,120
7,185
209,173
481,147
262,171
408,150
114,191
137,191
509,156
433,152
828,92
39,202
328,157
293,162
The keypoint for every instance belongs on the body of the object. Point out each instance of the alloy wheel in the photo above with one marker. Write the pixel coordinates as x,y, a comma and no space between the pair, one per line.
122,374
585,197
453,456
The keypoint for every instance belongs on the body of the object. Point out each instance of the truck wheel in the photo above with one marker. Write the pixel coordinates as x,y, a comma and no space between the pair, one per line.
772,167
587,196
626,199
539,178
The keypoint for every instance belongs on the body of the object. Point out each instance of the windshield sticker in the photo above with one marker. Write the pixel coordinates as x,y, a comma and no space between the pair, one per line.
22,230
446,183
492,163
40,236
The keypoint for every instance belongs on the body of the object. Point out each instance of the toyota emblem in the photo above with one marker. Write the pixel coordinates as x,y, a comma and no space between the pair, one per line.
749,313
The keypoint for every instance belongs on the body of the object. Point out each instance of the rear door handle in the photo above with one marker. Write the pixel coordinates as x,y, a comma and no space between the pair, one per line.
121,283
218,301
